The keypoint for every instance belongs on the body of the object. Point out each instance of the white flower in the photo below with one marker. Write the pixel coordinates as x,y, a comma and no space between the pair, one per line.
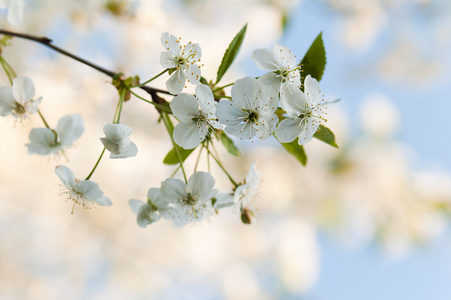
248,191
252,111
188,202
196,115
45,141
148,212
221,200
84,192
305,111
17,100
15,10
182,60
281,64
117,141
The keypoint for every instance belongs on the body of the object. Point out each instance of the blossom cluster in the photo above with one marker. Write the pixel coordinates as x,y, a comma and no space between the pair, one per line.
276,103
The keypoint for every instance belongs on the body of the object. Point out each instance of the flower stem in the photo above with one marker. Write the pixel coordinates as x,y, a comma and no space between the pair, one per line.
222,167
159,106
8,70
153,78
164,116
198,157
95,166
43,120
119,105
224,86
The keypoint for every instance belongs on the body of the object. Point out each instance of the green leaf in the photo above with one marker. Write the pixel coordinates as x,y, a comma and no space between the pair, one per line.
326,135
314,61
228,144
231,53
297,150
172,157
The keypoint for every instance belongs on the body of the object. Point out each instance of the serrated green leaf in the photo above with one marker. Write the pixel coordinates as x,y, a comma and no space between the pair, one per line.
296,150
326,135
314,61
231,53
228,144
172,157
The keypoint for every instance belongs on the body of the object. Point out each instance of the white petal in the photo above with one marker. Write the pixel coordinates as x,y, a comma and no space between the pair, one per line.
188,135
224,200
176,82
131,152
41,141
184,107
117,147
193,74
265,59
116,131
66,175
154,195
7,100
293,100
191,48
69,129
286,57
103,201
200,184
228,114
15,12
23,89
89,189
167,60
146,215
312,90
33,106
244,90
271,80
288,130
170,43
173,189
244,131
135,204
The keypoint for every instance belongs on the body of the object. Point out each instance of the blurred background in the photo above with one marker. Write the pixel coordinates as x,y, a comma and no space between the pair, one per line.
366,221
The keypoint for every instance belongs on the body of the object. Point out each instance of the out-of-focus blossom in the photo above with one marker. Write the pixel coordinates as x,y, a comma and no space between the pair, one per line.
18,99
148,213
252,111
189,202
246,193
84,192
117,141
196,115
15,10
221,200
305,111
45,141
181,60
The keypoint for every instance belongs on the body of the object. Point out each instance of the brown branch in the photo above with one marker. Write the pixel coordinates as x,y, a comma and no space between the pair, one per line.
48,42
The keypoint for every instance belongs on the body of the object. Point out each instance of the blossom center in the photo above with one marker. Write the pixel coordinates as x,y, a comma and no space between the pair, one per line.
189,200
19,108
253,117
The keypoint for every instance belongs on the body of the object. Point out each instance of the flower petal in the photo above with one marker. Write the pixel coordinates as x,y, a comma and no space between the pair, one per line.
193,74
293,100
286,57
201,184
243,91
89,189
42,141
189,134
288,130
312,90
265,59
171,43
168,60
69,129
154,195
7,100
131,152
23,89
146,215
103,201
191,48
116,131
66,175
184,107
135,205
176,82
173,190
229,114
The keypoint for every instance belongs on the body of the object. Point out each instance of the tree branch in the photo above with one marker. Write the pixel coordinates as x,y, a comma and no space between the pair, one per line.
48,42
